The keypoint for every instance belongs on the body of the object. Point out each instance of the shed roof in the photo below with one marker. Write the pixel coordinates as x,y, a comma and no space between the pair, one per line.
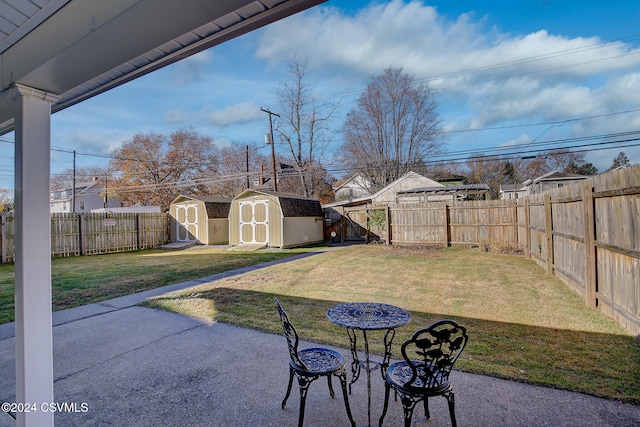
292,205
217,207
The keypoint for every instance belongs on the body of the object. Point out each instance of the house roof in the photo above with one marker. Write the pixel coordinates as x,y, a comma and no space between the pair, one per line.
447,176
79,49
557,175
343,182
80,189
404,177
339,183
512,187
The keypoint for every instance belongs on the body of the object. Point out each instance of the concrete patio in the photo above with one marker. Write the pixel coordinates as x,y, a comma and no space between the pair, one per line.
134,365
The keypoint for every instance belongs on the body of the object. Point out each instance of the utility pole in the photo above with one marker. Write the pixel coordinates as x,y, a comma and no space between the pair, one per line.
106,197
247,167
273,153
73,189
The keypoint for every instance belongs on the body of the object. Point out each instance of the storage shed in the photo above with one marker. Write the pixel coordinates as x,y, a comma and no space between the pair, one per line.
200,219
263,217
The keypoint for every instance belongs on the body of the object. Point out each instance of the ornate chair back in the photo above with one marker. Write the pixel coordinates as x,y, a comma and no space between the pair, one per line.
431,354
291,335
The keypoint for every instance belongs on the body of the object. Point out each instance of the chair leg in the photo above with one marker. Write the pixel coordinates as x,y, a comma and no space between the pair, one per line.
426,408
407,405
304,388
343,384
452,408
331,393
387,389
408,414
284,402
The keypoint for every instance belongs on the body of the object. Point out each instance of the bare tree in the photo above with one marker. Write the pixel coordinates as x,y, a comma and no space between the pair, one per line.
154,168
492,171
555,160
318,176
303,125
233,169
394,126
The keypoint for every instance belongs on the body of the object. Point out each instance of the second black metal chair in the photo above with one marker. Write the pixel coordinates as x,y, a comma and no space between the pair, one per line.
428,356
310,364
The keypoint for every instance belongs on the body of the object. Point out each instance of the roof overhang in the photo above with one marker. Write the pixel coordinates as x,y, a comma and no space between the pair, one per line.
79,49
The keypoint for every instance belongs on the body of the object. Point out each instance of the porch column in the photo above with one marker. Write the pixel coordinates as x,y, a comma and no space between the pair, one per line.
34,343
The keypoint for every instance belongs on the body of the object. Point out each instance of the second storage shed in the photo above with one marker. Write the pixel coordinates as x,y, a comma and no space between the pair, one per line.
274,219
200,219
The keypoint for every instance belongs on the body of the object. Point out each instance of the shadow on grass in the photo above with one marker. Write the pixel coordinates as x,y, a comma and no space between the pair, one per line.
603,365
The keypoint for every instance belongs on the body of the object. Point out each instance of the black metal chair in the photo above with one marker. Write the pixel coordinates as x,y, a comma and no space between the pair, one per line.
310,364
429,357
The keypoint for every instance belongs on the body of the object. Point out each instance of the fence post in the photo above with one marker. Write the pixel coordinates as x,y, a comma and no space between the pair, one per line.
81,235
527,230
139,231
591,280
387,215
447,233
3,239
515,223
548,227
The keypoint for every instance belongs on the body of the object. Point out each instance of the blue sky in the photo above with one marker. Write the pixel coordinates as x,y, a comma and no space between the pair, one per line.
506,74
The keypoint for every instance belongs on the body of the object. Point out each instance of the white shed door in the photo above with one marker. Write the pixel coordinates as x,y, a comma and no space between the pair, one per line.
254,222
187,222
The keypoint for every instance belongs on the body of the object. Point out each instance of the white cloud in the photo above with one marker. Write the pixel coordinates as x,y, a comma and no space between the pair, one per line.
192,68
176,116
539,76
99,142
243,112
521,140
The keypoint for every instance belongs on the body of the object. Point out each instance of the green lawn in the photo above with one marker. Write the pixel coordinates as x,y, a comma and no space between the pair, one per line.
523,325
83,280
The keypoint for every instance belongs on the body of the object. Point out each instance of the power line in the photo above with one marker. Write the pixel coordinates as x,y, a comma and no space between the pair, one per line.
557,122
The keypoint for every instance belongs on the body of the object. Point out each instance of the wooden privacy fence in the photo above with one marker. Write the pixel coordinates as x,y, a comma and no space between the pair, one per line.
586,234
94,233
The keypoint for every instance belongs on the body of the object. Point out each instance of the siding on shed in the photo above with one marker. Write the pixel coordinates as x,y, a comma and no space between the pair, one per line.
302,231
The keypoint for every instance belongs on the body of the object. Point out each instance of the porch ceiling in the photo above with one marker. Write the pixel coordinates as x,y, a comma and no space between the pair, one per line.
78,49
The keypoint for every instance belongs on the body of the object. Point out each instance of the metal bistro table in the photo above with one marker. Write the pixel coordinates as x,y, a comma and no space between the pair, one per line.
368,316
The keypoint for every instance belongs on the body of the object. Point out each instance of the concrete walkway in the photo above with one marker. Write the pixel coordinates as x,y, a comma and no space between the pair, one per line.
133,366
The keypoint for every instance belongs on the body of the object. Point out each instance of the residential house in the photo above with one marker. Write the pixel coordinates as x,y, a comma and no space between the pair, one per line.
88,196
355,226
408,181
513,191
554,179
351,188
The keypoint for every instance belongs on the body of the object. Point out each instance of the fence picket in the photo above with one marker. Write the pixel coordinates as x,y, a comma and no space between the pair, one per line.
94,233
